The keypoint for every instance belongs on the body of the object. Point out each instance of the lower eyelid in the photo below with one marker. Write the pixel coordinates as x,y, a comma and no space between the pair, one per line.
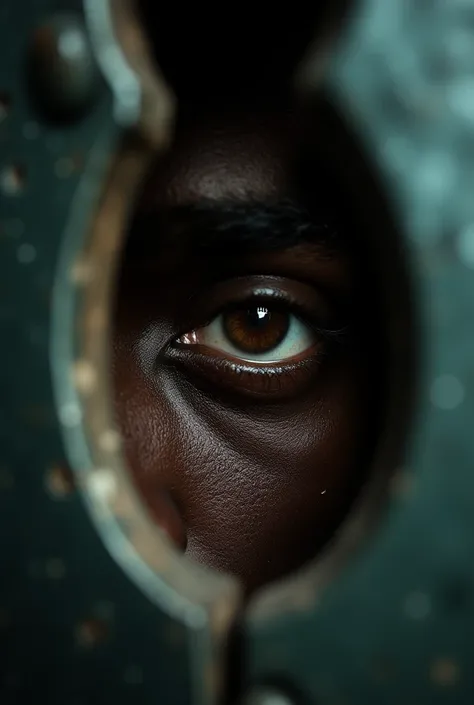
265,381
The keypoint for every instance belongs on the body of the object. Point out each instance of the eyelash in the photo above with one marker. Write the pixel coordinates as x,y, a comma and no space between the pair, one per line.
276,299
270,381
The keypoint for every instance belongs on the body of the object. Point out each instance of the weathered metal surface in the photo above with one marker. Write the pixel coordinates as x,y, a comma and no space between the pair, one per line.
397,624
387,617
73,627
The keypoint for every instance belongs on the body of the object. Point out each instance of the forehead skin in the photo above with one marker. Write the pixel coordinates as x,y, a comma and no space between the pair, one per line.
237,157
252,490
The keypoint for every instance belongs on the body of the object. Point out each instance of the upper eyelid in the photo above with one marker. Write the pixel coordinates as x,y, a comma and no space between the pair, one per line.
304,299
291,305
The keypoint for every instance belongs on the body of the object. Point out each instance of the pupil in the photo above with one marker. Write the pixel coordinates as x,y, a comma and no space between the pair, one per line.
258,317
257,329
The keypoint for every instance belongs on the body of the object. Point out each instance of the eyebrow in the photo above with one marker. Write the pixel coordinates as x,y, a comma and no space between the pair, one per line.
239,229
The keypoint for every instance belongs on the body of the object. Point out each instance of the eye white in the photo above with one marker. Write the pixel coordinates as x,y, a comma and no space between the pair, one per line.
299,337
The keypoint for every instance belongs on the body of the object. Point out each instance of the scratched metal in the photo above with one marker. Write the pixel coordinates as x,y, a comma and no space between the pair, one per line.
397,626
73,628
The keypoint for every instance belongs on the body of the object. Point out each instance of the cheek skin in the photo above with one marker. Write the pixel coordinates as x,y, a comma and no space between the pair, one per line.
257,495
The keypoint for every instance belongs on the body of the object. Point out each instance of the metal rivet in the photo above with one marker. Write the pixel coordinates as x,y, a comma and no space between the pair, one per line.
447,392
71,43
63,73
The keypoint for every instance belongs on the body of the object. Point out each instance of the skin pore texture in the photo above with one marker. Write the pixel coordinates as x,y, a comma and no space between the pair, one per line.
248,459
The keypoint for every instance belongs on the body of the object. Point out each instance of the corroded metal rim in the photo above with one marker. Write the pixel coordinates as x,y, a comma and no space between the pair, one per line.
203,599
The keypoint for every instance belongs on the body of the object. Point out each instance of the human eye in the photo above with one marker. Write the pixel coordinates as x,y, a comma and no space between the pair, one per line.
258,332
264,339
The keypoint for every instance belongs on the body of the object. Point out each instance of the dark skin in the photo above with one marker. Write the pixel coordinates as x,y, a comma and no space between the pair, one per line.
249,460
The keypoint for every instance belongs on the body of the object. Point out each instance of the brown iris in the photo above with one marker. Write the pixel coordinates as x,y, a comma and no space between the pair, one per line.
255,329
